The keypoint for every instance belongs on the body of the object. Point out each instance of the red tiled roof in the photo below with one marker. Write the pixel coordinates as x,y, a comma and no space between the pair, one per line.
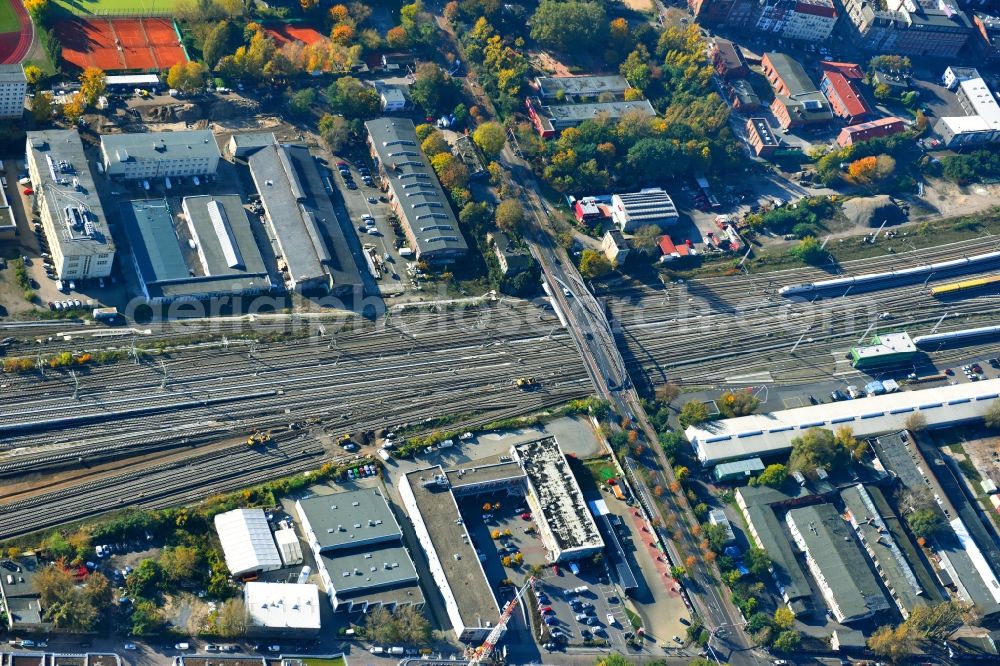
816,8
849,69
666,245
854,104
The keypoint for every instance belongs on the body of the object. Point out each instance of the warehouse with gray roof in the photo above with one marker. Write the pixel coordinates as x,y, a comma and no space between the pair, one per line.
359,550
315,257
219,257
160,154
415,193
836,563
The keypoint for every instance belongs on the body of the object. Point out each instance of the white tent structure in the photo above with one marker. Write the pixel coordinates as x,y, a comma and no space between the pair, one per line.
288,547
247,542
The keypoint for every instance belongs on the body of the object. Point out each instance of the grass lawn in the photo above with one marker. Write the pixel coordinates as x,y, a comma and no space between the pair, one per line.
338,661
136,7
8,19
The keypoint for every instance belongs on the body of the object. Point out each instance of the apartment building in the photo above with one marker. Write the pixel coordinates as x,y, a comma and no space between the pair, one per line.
13,88
908,27
841,83
160,154
68,206
807,20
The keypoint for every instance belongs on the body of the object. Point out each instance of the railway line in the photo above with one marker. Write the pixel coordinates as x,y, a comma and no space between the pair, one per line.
724,330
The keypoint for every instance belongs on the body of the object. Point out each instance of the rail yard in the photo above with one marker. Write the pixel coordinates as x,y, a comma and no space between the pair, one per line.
423,366
741,330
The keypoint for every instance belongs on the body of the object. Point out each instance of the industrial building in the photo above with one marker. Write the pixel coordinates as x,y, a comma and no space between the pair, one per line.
415,193
244,145
430,497
550,119
797,100
897,562
282,610
762,138
13,88
980,125
222,257
961,565
129,82
772,434
289,547
737,471
247,544
71,213
573,88
315,257
882,350
8,225
567,529
837,565
638,209
853,134
611,526
841,85
160,154
359,551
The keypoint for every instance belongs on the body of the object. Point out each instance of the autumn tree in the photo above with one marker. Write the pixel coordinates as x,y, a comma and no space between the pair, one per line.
787,641
93,83
773,475
938,621
509,215
435,143
593,264
42,107
334,131
809,250
693,412
67,605
231,619
925,523
490,137
667,393
74,109
893,643
992,416
187,76
433,89
915,422
33,74
450,170
352,98
37,9
817,448
180,563
738,403
646,238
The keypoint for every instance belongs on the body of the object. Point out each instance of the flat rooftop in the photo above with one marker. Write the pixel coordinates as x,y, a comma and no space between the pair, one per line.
983,103
549,86
358,571
483,472
155,246
12,74
563,507
282,605
342,520
67,188
764,131
579,112
762,434
445,527
827,540
160,145
221,229
886,344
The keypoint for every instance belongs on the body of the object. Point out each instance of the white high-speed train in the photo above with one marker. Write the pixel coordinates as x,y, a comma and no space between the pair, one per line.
903,274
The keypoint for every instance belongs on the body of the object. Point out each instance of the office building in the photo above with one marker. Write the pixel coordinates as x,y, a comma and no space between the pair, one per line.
728,60
359,551
13,88
837,566
841,83
415,193
638,209
872,129
160,154
797,100
72,217
763,141
980,125
314,255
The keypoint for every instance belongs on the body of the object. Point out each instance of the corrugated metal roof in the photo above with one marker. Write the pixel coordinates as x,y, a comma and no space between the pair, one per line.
246,541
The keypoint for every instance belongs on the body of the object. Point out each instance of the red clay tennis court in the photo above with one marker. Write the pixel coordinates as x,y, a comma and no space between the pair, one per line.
120,43
282,33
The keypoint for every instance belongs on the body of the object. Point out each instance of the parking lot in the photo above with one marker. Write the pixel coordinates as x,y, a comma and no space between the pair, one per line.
582,616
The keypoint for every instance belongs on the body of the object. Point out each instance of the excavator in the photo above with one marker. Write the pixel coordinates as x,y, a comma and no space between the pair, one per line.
259,437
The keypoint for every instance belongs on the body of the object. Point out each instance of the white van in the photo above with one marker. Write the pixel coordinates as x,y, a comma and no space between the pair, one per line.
447,444
397,650
182,646
375,649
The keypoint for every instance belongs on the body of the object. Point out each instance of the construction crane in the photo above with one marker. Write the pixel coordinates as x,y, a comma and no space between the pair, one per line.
485,651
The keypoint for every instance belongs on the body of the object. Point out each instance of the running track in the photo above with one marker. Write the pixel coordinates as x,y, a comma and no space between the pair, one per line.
14,46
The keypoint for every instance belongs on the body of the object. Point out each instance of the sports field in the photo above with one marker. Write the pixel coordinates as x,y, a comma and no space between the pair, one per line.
121,7
8,19
119,43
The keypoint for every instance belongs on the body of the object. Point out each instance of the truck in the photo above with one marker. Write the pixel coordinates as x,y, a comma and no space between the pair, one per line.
105,314
617,492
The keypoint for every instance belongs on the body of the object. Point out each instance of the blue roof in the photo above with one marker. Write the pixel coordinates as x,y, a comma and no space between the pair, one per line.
154,242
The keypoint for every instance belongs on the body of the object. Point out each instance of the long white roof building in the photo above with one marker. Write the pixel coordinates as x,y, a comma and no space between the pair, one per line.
769,434
247,542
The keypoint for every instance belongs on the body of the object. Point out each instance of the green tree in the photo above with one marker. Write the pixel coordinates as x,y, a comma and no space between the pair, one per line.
773,475
593,264
435,143
715,535
68,606
510,215
490,137
569,26
816,448
758,562
146,617
882,92
352,98
450,170
809,250
42,107
612,659
334,131
787,641
180,563
671,442
302,101
646,238
58,548
992,416
218,41
737,403
187,76
144,581
784,618
432,89
924,523
693,413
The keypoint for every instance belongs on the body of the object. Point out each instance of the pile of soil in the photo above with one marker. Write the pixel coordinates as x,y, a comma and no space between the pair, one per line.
873,211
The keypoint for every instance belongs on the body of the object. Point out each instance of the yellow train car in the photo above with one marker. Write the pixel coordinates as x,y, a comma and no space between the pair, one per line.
965,285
